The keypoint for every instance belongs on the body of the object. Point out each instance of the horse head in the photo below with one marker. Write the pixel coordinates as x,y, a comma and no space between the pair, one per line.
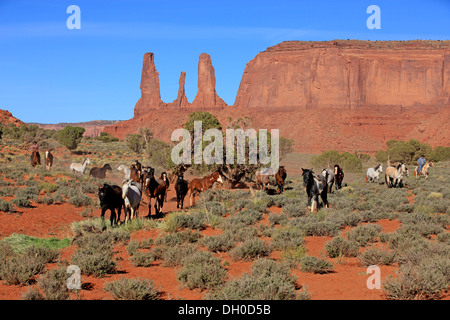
107,167
307,175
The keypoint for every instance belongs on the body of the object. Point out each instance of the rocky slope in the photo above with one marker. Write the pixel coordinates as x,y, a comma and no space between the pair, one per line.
344,95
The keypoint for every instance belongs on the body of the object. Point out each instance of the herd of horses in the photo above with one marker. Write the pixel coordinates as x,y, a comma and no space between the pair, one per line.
140,180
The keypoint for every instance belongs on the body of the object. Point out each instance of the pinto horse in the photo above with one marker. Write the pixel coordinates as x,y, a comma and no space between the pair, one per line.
154,189
424,170
315,186
48,160
338,176
374,173
35,158
199,185
165,178
330,178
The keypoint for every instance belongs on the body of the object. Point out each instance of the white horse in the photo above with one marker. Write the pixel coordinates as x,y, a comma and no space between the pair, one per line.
125,170
132,195
80,168
330,179
374,173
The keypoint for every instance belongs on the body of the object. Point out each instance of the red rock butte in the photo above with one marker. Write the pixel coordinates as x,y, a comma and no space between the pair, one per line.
346,95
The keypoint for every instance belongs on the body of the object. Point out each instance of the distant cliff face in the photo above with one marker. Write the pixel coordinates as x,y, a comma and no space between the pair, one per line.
347,75
343,95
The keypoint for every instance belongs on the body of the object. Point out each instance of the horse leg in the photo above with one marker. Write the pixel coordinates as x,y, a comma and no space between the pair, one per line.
314,204
112,218
325,198
149,207
103,219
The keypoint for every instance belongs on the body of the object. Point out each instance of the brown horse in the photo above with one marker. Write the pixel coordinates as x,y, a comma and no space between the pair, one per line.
280,178
262,180
35,158
135,174
154,189
100,173
199,185
48,160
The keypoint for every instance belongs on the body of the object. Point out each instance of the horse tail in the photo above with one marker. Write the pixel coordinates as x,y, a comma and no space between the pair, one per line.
366,179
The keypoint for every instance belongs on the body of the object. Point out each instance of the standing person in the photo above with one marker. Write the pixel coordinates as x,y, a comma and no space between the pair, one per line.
420,162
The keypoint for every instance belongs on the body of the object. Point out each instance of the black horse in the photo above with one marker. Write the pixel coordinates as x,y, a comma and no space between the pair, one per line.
338,176
111,199
100,173
181,188
315,186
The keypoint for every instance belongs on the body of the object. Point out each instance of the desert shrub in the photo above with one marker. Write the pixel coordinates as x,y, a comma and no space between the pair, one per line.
106,137
245,217
321,228
21,202
250,250
173,239
268,280
294,209
294,255
80,200
346,160
364,234
133,289
343,219
375,256
134,245
173,256
70,136
241,232
287,238
277,219
5,206
338,246
220,243
427,280
178,220
54,285
142,259
316,265
94,255
21,269
201,270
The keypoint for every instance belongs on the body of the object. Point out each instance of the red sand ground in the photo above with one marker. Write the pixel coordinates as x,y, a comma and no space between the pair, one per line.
347,282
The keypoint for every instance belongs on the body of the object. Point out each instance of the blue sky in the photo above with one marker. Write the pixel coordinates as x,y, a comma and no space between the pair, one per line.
51,74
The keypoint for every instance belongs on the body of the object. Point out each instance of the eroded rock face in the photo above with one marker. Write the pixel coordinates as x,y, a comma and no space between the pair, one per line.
342,95
150,90
346,75
206,95
181,101
6,118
